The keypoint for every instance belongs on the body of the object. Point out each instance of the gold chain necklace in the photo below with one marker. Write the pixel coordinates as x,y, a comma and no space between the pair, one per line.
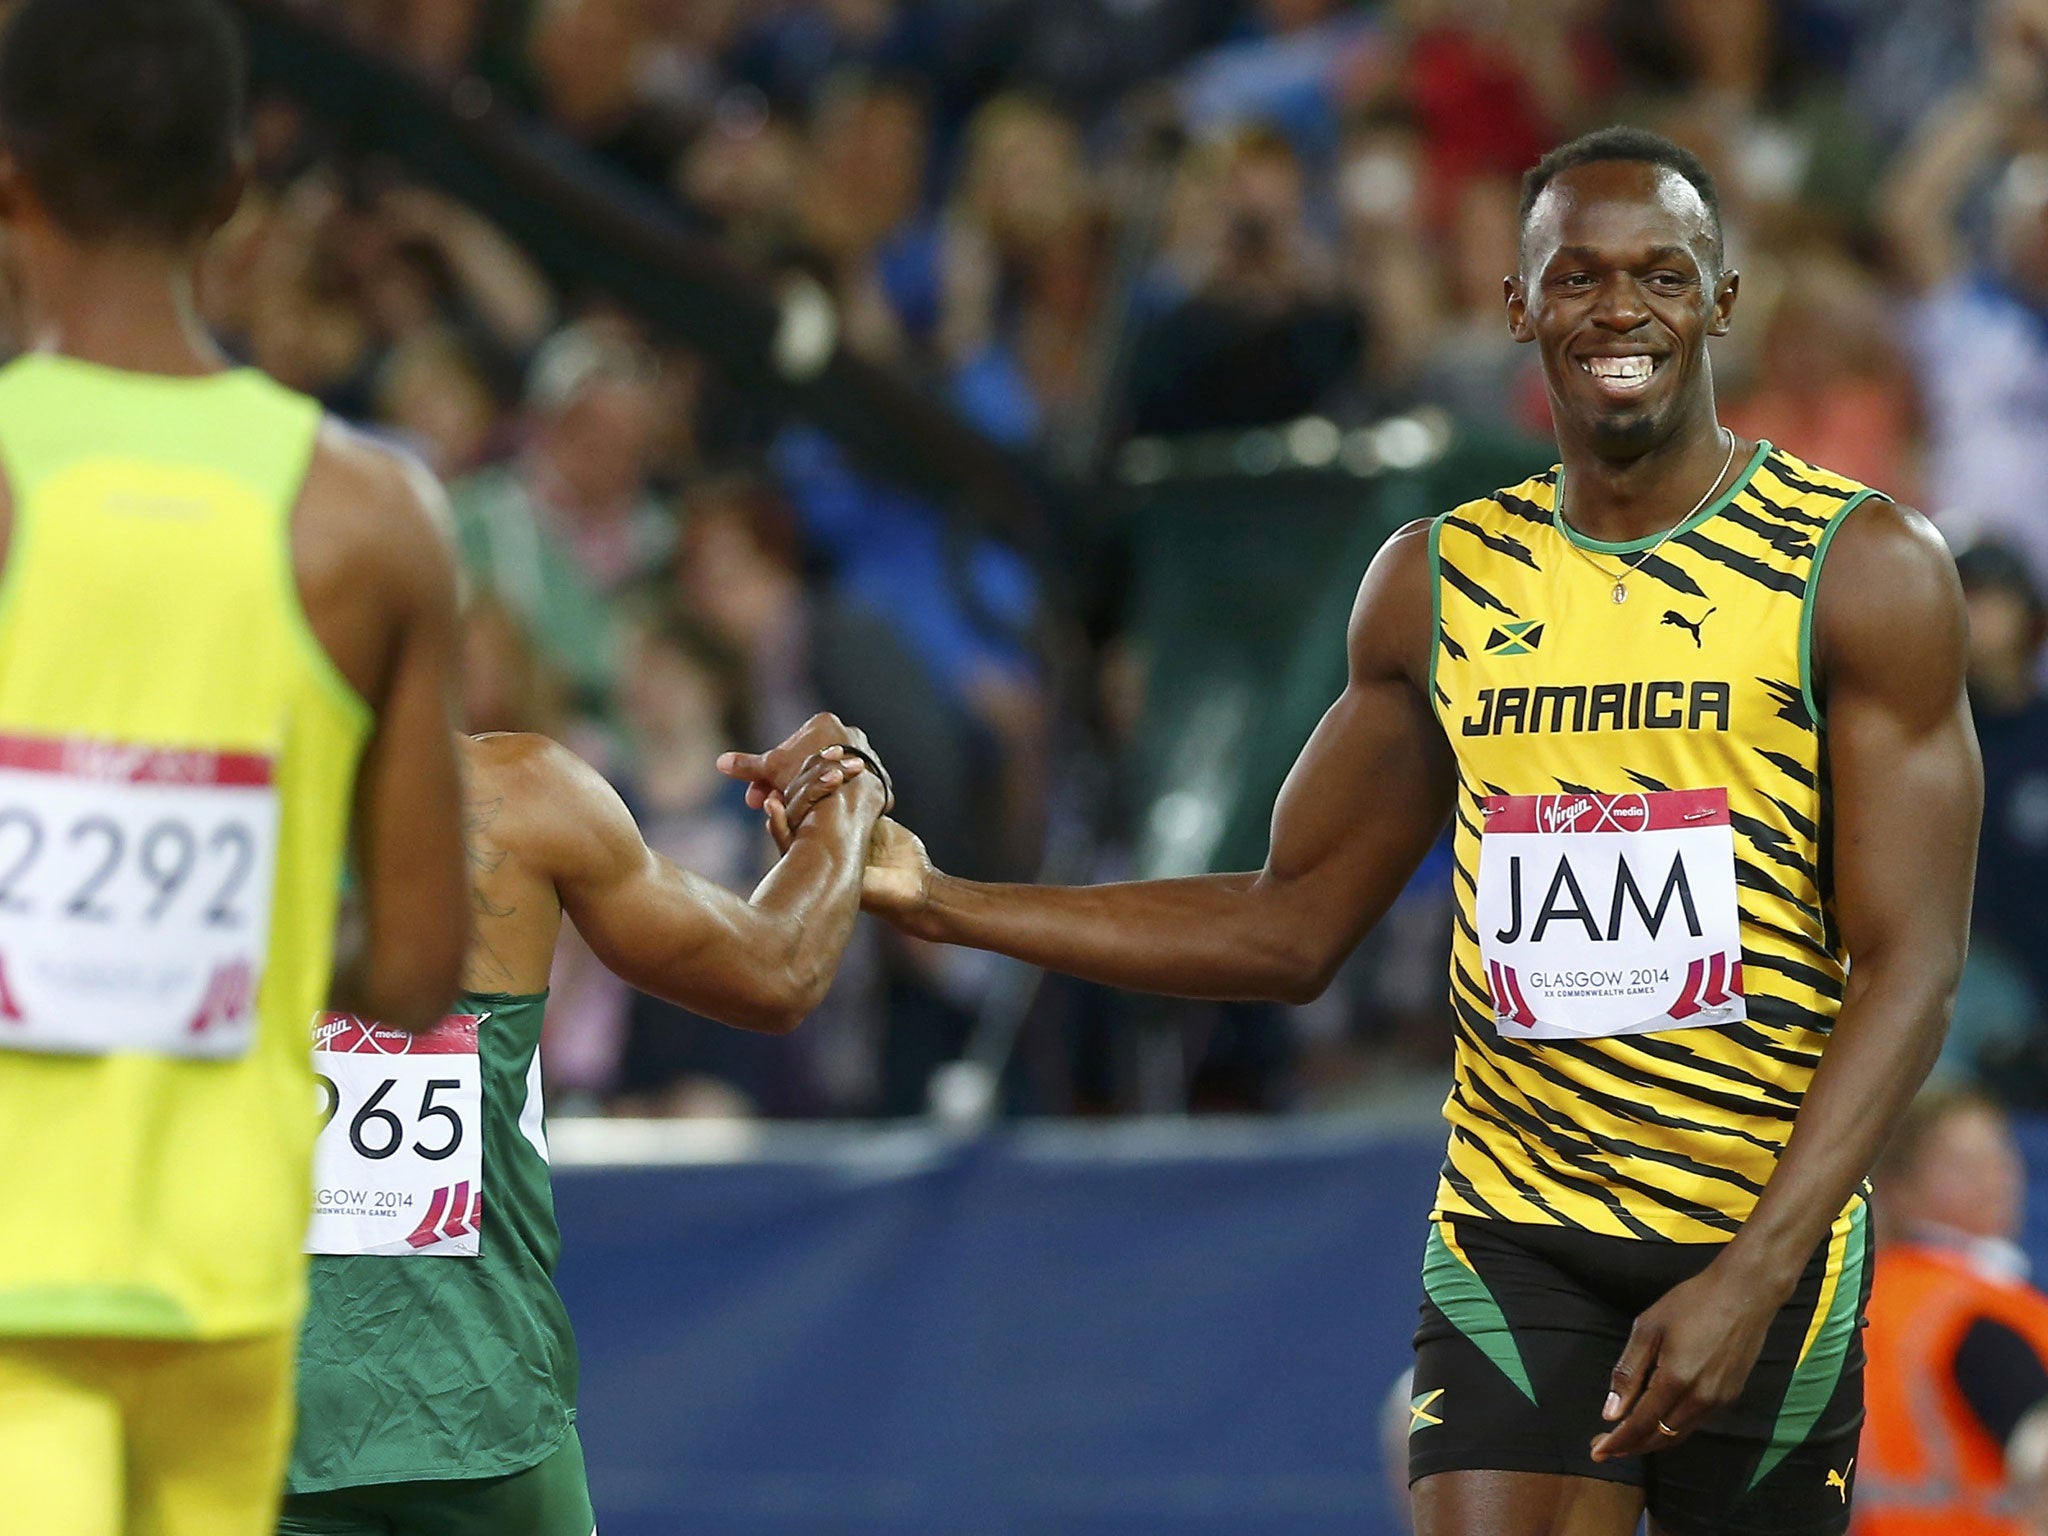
1621,577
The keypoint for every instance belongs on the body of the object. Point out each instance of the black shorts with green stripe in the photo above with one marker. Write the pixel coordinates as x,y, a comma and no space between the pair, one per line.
1522,1326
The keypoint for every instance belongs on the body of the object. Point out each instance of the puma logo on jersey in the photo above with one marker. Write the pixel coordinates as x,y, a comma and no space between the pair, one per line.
1839,1481
1690,626
1419,1416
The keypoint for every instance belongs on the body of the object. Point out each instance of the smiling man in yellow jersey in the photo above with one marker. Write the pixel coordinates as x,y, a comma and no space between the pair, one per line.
1694,773
222,623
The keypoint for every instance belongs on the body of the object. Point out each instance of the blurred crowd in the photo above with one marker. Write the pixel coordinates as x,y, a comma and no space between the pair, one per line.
1072,221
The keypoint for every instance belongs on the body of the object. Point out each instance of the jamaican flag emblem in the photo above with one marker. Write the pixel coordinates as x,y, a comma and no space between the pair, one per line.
1517,639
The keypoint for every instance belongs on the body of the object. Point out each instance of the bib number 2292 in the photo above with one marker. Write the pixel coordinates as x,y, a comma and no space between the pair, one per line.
135,896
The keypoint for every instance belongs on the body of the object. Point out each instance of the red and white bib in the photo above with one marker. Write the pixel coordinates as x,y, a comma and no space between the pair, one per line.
1609,914
399,1165
135,896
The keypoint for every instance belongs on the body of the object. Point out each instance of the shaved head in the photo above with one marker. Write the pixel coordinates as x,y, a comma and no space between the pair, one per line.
1694,220
1627,146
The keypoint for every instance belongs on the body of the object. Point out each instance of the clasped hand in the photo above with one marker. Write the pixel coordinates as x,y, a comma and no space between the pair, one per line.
788,782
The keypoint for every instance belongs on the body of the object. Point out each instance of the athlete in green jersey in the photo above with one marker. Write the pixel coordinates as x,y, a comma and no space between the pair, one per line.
437,1386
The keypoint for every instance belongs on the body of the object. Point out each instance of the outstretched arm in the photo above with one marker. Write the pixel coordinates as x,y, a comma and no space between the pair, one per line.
760,963
1908,791
1364,802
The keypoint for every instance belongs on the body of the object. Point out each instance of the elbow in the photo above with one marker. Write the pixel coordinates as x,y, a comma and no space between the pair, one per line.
768,1016
790,998
1300,970
1303,982
414,989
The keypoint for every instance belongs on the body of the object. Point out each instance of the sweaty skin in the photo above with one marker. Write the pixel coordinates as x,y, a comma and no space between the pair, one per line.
376,576
1618,262
547,837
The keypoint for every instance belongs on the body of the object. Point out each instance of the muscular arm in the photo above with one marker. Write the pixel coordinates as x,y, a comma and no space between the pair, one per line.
378,580
762,962
1907,792
1361,807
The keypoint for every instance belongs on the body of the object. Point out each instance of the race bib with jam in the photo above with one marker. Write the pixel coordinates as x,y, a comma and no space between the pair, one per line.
1609,914
135,897
399,1165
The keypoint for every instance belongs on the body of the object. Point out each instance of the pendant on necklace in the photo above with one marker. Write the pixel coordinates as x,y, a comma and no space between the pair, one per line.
1620,593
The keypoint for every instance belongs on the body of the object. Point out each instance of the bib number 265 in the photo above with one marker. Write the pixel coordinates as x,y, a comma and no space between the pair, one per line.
398,1167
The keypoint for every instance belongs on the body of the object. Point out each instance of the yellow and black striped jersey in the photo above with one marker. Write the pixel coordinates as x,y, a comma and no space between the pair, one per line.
1556,697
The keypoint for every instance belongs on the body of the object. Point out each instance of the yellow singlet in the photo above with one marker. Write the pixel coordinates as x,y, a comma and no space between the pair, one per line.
172,740
1634,1037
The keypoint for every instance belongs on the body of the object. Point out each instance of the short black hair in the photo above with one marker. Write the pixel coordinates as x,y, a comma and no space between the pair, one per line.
1621,142
124,115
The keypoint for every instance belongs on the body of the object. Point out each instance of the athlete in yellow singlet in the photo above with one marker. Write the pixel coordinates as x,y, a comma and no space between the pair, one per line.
1696,710
225,626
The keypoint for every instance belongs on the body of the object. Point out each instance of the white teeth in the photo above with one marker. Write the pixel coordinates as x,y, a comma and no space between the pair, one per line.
1621,370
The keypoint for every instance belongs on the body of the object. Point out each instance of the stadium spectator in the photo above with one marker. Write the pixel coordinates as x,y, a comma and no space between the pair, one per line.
1832,385
1289,73
1387,259
1492,85
1998,1029
742,174
1020,276
588,61
1091,57
1957,1372
1974,327
574,516
792,53
432,394
1262,334
861,215
1475,369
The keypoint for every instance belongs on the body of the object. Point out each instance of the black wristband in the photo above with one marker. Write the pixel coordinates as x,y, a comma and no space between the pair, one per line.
875,763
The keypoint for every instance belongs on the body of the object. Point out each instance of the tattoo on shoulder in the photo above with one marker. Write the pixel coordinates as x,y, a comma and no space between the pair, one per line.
478,817
485,857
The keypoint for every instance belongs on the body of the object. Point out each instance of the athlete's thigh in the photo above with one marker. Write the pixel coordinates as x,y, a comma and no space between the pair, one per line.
1513,1353
1781,1459
1523,1504
551,1498
217,1471
60,1440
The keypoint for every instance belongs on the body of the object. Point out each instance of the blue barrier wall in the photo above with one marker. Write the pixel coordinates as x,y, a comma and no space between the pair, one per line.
1052,1332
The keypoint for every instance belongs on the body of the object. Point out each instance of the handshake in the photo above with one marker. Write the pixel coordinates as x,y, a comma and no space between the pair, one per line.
828,758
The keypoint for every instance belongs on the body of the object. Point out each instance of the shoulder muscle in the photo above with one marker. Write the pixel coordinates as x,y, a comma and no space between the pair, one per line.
1888,613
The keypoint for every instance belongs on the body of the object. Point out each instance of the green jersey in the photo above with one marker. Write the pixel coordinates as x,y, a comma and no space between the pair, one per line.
454,1360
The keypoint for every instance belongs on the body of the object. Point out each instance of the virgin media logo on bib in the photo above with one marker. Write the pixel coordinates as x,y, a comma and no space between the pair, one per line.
1609,914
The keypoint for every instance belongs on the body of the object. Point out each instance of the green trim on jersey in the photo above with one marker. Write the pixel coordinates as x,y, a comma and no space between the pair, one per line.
430,1369
1462,1297
1651,541
1827,1344
1436,608
1820,554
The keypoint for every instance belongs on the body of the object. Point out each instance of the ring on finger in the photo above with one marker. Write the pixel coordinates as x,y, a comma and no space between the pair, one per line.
1665,1429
